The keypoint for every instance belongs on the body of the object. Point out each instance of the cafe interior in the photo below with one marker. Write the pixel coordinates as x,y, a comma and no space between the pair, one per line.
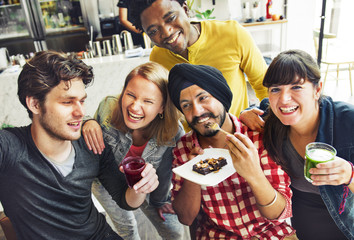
90,29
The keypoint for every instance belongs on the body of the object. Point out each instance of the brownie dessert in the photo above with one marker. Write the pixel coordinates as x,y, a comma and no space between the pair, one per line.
209,165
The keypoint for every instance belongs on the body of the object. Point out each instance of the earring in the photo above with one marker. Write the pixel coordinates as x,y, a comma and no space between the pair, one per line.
160,115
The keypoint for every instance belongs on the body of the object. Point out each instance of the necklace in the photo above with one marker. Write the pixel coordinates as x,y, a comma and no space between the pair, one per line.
196,29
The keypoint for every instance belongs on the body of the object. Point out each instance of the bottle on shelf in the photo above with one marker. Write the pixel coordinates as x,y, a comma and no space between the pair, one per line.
269,9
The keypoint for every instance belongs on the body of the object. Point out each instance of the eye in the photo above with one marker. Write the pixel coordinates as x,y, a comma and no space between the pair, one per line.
130,95
274,90
296,87
149,101
171,18
203,98
82,101
152,32
185,106
67,102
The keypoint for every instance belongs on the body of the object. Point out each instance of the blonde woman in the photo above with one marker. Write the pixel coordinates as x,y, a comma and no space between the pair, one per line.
141,121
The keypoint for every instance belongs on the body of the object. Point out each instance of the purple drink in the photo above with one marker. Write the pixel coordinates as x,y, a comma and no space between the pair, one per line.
133,166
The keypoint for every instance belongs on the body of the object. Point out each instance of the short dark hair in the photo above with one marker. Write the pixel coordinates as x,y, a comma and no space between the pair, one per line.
45,71
136,7
290,66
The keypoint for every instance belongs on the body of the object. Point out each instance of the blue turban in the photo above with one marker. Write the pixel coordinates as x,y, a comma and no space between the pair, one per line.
210,79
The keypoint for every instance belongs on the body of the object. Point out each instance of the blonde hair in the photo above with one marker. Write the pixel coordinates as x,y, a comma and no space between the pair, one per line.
165,128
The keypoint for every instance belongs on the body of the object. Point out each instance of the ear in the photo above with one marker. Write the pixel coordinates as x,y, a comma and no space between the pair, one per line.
318,90
185,8
33,105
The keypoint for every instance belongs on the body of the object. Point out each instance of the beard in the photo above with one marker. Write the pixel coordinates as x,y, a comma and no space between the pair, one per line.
208,132
53,129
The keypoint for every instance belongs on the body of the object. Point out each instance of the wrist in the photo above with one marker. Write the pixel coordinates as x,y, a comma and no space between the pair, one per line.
352,174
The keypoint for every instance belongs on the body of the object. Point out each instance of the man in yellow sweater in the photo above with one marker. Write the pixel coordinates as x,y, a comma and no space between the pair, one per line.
225,45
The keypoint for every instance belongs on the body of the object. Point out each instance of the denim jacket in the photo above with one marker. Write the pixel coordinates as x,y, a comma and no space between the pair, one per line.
337,129
159,156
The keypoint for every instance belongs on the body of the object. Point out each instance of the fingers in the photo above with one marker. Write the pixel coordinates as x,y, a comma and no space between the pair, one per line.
159,211
149,182
335,172
251,118
195,152
93,136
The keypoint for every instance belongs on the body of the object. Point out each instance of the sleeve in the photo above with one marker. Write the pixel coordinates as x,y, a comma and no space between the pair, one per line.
123,3
112,179
180,153
253,63
10,150
162,194
104,109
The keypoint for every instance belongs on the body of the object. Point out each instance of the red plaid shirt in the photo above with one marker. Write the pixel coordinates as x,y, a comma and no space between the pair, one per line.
229,208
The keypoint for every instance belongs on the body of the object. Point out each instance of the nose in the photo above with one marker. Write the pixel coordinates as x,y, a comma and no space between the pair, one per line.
166,31
135,105
285,96
79,110
198,110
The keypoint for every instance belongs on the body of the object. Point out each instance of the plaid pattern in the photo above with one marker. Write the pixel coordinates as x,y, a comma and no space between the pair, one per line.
229,208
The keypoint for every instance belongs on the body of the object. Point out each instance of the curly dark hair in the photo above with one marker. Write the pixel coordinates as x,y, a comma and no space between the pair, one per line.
136,7
45,71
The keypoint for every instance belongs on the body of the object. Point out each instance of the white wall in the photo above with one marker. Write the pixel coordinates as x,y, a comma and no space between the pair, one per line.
302,15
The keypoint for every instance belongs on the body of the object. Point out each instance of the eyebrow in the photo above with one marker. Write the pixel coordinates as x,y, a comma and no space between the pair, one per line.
198,95
73,97
163,17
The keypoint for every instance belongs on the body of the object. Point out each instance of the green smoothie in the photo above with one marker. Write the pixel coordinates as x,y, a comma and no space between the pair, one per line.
317,153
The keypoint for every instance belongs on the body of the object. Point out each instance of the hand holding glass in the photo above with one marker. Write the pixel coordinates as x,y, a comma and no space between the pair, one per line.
317,152
133,167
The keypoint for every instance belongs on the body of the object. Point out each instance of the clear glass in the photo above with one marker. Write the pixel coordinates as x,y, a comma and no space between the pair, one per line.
317,152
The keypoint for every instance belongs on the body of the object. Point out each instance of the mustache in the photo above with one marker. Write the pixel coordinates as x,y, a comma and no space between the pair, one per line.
204,115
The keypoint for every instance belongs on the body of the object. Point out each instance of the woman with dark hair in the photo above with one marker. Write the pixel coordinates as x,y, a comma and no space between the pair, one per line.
142,122
299,114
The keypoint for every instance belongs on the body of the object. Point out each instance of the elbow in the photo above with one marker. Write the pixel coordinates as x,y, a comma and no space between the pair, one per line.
185,220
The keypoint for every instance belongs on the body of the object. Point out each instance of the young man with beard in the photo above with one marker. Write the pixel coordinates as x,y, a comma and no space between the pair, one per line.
225,45
46,170
250,204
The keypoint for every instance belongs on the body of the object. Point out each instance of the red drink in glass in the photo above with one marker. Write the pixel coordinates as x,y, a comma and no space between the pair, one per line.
133,166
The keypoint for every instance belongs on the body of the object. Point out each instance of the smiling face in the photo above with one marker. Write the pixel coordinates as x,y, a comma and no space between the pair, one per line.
142,101
295,104
60,116
200,109
167,25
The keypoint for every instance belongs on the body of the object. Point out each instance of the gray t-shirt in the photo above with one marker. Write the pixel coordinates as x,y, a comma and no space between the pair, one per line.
298,181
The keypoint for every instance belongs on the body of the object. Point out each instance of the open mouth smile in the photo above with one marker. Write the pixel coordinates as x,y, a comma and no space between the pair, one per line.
75,124
288,109
174,38
135,117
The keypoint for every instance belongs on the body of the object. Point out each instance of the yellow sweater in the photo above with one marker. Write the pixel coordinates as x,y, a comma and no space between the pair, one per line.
227,46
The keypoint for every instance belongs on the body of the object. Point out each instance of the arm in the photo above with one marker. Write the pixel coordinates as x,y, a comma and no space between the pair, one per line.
252,63
135,196
253,117
185,192
123,18
246,161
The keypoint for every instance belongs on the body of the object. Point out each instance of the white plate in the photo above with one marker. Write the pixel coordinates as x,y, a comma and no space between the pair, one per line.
213,178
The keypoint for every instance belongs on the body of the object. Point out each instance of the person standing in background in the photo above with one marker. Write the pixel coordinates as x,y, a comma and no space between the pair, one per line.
225,45
125,23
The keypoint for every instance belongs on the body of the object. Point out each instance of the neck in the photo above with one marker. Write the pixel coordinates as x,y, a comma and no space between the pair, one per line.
138,137
54,148
194,36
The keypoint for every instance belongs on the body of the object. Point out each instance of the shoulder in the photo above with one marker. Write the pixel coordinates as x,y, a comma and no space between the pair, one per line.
123,3
342,110
13,143
106,107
